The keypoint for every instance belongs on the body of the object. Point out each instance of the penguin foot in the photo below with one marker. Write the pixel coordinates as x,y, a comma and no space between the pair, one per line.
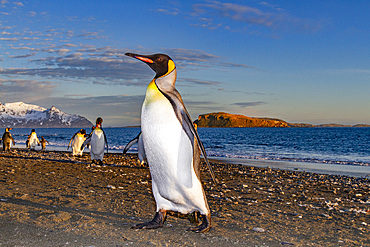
194,218
156,222
204,226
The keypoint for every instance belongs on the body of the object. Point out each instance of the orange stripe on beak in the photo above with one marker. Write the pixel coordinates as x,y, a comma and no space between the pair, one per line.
144,59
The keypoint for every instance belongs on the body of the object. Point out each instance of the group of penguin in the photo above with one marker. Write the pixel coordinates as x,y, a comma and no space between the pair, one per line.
97,140
168,142
31,143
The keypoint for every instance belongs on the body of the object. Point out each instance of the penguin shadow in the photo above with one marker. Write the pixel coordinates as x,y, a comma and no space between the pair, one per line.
75,212
42,158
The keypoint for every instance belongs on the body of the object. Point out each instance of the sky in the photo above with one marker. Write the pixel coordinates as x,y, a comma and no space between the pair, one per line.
300,61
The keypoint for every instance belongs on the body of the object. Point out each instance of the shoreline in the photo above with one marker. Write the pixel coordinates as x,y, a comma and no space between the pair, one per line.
49,198
321,168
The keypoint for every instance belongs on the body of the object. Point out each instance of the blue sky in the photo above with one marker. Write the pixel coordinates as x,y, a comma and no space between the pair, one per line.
301,61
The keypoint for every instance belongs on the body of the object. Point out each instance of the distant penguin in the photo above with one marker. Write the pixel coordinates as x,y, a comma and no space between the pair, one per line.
7,140
33,141
76,142
140,147
171,147
97,140
43,143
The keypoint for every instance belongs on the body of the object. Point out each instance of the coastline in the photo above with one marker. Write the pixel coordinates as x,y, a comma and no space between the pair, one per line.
49,198
320,168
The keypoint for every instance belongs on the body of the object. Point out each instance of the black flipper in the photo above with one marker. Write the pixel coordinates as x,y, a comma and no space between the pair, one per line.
105,139
69,144
132,142
183,116
87,141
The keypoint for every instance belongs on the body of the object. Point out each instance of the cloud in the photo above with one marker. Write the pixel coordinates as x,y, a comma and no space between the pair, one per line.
215,14
196,58
114,109
18,4
168,12
27,90
3,3
349,71
32,13
89,35
200,82
8,39
25,48
190,56
109,66
196,108
23,56
70,45
249,104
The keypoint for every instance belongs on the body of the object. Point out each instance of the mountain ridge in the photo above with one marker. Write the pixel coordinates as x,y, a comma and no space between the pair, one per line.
228,120
22,115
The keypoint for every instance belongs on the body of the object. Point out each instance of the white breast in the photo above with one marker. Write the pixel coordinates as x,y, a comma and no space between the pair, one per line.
97,142
77,143
170,156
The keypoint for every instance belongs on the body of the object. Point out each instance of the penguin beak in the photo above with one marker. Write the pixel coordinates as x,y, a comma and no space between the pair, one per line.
143,58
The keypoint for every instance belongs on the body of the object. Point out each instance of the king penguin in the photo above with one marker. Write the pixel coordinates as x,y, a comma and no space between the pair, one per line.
172,147
76,142
33,140
97,140
7,140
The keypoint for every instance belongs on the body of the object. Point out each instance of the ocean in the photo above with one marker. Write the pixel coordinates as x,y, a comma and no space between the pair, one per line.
320,146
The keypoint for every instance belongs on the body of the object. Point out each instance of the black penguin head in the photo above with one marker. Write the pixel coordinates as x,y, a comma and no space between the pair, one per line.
162,64
99,120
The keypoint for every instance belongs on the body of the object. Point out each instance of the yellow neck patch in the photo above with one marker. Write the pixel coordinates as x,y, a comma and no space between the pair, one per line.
152,93
171,67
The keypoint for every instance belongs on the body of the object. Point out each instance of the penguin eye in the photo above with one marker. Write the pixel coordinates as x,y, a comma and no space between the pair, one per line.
159,59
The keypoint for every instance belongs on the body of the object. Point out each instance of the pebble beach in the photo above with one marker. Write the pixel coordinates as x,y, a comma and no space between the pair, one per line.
50,198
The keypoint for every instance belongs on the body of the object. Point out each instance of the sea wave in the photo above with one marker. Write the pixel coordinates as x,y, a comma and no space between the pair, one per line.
343,146
309,160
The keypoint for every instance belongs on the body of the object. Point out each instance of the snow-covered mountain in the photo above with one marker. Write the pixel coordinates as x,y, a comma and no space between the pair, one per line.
23,115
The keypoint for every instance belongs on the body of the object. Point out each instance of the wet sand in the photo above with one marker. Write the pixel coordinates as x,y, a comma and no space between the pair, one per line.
321,168
52,199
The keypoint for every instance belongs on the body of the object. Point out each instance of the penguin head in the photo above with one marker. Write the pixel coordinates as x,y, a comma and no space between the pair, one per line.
99,121
162,64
